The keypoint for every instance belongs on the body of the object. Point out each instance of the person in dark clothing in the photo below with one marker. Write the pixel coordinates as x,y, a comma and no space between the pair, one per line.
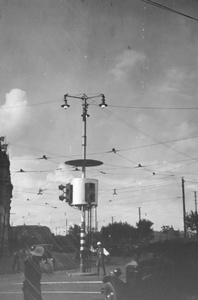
16,261
32,273
101,252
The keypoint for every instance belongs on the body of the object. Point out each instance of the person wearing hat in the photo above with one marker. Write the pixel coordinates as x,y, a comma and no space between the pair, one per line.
101,253
32,274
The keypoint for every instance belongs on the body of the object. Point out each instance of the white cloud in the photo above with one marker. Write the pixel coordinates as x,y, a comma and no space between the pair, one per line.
126,62
59,176
177,82
13,114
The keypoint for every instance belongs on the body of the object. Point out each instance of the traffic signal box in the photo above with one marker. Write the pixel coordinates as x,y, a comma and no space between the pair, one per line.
90,192
67,193
62,187
81,191
85,191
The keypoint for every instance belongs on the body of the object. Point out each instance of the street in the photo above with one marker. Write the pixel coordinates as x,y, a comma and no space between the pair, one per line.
59,285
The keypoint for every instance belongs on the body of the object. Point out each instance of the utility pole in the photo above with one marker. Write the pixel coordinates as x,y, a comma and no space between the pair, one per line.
196,222
195,193
139,209
66,227
184,206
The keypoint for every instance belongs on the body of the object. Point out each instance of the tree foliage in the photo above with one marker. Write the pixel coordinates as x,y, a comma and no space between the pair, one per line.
144,230
73,236
118,233
165,230
192,221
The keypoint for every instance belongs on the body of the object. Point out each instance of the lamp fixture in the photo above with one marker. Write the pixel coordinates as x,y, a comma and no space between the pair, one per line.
103,104
65,105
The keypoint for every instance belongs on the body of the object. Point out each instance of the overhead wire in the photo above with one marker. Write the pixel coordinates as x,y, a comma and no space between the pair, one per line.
146,134
154,107
169,9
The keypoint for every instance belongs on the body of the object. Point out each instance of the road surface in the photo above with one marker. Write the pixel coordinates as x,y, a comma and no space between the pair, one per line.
60,285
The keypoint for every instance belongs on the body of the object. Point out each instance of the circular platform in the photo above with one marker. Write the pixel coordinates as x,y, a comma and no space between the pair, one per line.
84,162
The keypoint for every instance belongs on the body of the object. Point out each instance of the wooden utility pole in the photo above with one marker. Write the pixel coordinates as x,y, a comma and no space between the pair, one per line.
66,227
195,193
184,206
139,209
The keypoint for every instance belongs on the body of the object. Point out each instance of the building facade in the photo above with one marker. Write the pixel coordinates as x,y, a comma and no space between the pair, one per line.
6,188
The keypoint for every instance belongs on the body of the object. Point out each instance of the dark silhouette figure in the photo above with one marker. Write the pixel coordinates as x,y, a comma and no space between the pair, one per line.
32,273
16,261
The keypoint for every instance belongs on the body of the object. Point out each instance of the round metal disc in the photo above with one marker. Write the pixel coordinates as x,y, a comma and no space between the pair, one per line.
84,162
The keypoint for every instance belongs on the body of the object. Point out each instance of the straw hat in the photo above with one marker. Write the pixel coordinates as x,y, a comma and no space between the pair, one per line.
38,251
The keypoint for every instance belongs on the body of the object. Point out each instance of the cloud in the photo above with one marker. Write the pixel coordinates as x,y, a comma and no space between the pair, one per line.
177,82
61,174
126,62
13,114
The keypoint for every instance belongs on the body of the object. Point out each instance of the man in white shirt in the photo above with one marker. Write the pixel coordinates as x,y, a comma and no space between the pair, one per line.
101,252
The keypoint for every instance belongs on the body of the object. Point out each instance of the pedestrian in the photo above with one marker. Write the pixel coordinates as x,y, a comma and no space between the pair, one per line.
16,261
32,274
101,252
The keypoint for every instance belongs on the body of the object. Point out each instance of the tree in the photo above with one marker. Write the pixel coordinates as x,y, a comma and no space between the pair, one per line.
73,237
144,231
192,221
118,233
165,230
92,238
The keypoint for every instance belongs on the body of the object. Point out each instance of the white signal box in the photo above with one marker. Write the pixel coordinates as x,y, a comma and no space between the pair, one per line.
85,192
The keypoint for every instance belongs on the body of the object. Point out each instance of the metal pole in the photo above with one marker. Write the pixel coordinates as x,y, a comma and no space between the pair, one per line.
90,218
96,221
84,137
82,240
184,207
84,144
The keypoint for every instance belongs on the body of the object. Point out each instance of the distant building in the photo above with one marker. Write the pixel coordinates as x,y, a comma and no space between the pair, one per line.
6,188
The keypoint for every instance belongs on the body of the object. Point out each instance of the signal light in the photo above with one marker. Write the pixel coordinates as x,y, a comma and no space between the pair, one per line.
62,197
69,193
61,187
90,192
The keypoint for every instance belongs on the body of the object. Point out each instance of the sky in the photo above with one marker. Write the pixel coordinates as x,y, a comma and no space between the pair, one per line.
144,59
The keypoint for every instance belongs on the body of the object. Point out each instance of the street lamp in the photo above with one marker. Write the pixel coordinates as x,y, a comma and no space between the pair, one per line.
84,116
84,162
103,104
65,105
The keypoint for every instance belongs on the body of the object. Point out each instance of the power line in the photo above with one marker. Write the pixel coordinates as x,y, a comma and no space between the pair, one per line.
169,9
146,134
155,107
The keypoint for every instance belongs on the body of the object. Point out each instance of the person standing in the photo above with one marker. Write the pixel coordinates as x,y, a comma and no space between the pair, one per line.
101,253
16,261
32,274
